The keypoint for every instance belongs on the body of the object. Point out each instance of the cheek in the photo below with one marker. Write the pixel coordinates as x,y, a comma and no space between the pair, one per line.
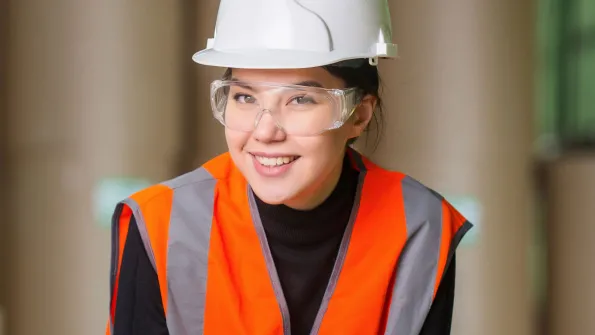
235,140
324,148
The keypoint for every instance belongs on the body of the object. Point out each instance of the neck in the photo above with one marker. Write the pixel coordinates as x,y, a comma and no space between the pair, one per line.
293,226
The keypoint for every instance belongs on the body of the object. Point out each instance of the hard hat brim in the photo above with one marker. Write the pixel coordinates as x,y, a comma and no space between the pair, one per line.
270,59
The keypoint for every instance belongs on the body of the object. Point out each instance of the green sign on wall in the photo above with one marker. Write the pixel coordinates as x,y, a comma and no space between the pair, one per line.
470,208
109,191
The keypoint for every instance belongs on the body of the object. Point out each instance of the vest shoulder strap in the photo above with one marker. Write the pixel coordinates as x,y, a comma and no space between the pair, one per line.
434,230
152,210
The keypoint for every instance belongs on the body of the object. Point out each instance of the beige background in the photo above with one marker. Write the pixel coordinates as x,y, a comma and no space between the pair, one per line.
107,88
571,183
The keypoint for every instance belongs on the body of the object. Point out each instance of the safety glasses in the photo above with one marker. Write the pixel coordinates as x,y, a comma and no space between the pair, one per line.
297,110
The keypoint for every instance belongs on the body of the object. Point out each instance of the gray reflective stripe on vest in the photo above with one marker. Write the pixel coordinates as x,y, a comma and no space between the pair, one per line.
116,242
142,228
188,250
416,271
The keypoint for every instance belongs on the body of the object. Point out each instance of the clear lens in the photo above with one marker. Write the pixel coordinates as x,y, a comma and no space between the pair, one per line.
298,110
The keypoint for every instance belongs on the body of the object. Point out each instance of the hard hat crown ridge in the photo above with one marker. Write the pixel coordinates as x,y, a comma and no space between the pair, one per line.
298,33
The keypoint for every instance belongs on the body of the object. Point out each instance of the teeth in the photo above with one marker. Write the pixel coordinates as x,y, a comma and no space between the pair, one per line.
275,161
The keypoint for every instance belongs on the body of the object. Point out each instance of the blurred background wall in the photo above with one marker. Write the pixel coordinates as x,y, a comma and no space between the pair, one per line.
566,146
490,104
4,177
95,99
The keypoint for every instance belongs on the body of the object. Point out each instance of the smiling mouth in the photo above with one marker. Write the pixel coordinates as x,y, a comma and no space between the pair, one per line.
275,161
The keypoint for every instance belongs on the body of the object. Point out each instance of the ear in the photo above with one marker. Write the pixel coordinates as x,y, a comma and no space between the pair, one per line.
362,115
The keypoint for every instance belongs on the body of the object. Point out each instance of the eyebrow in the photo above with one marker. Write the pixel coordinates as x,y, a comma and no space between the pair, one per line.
308,83
242,84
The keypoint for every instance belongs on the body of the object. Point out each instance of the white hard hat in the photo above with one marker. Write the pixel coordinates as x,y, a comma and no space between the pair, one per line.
279,34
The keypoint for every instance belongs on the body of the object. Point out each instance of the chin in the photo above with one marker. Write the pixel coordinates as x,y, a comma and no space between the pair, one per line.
275,192
270,196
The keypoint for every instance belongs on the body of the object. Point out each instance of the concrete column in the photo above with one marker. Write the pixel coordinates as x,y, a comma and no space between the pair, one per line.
4,178
210,138
571,230
94,93
459,118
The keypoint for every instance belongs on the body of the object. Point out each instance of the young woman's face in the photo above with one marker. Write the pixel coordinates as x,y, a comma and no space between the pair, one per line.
298,171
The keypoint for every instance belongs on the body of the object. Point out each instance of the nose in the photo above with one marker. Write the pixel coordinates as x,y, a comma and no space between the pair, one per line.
266,128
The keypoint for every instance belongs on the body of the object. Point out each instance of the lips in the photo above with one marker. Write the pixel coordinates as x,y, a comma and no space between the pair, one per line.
275,161
273,164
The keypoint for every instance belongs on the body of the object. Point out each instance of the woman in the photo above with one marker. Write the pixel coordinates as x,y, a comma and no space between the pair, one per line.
291,231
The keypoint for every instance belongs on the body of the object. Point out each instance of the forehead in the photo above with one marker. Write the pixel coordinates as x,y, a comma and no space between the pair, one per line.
289,76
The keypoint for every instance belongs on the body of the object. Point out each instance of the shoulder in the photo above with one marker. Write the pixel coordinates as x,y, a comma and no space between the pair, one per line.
426,204
200,180
413,190
422,204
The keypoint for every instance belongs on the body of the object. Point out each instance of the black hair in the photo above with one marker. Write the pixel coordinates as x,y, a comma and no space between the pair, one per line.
358,74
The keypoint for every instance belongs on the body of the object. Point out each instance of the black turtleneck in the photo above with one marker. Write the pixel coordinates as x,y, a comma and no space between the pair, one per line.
304,245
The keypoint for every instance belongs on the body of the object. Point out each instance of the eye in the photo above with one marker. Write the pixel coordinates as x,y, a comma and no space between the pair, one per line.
244,98
302,100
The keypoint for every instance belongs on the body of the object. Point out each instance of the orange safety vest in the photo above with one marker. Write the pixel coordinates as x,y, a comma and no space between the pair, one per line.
204,237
